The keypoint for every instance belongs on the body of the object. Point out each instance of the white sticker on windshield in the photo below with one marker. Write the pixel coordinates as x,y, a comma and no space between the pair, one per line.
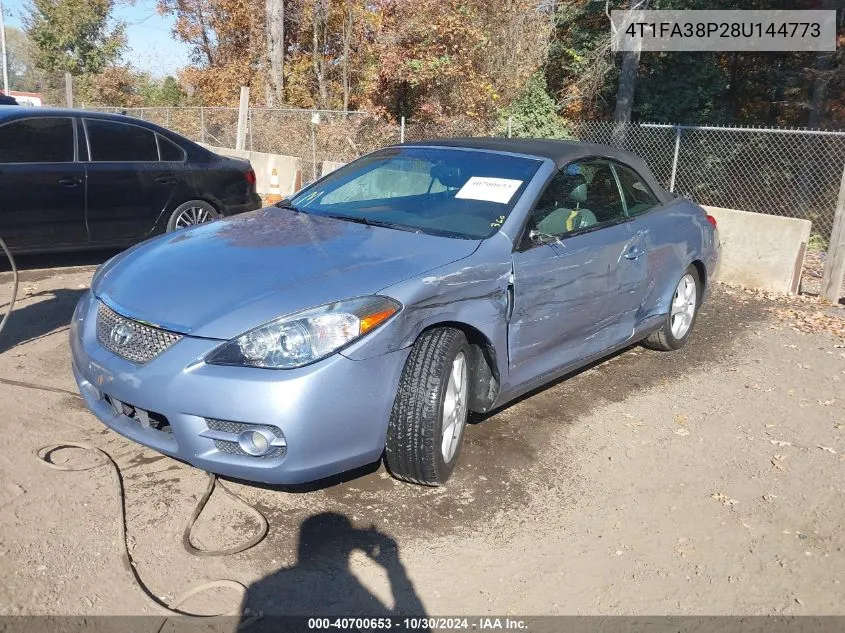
489,189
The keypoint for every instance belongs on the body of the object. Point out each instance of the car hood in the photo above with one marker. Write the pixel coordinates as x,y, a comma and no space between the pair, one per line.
221,279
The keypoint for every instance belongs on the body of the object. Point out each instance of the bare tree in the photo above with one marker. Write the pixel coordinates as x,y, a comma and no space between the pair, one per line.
275,35
627,82
347,45
318,36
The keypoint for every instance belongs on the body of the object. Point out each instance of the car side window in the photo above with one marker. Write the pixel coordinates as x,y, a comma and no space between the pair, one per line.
37,140
638,196
112,141
580,195
169,151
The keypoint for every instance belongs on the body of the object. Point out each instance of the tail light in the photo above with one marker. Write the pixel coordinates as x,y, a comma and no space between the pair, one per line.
712,221
250,176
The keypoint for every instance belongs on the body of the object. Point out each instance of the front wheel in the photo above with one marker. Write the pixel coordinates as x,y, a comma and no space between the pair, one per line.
191,213
429,414
676,329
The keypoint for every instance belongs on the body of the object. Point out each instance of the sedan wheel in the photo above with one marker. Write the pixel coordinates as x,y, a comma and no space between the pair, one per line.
429,414
454,408
190,214
676,329
683,306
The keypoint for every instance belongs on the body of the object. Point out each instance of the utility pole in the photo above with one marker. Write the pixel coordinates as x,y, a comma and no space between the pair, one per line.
3,46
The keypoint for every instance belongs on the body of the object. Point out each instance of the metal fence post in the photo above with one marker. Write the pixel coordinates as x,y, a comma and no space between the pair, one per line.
202,124
510,126
314,118
675,158
167,117
402,130
243,108
68,90
834,261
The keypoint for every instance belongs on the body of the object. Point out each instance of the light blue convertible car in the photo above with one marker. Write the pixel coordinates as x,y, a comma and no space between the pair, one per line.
365,316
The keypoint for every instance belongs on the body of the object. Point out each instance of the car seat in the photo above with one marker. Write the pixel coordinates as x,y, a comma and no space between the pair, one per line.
569,216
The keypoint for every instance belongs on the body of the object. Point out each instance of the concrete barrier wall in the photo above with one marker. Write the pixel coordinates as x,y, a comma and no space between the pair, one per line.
286,167
761,251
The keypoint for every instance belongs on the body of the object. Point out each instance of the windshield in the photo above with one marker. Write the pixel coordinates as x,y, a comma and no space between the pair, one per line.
455,193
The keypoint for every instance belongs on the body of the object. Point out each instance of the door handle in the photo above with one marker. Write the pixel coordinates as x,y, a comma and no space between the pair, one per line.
165,180
69,182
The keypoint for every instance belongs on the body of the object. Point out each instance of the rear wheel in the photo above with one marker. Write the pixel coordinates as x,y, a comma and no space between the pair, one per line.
429,414
191,213
675,331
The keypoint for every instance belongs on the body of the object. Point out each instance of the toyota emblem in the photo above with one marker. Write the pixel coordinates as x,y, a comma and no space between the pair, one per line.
121,334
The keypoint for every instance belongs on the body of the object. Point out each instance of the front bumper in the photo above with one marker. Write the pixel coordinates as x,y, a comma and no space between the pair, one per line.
333,414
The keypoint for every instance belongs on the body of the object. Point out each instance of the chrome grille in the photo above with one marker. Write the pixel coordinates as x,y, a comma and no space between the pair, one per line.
238,427
142,343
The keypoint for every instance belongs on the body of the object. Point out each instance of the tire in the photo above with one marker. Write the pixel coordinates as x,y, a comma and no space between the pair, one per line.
191,213
682,306
416,450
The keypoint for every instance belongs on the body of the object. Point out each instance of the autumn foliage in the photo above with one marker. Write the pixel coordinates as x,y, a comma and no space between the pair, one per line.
422,59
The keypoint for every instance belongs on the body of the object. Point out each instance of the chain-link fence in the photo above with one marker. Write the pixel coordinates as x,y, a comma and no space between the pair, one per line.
793,173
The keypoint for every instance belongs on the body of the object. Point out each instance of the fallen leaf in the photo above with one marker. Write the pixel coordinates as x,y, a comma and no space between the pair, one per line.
681,419
828,449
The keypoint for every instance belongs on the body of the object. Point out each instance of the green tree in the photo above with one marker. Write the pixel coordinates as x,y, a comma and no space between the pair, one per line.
680,88
534,113
74,36
22,72
160,92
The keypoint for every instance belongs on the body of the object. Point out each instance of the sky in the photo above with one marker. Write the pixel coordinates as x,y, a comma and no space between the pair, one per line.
152,46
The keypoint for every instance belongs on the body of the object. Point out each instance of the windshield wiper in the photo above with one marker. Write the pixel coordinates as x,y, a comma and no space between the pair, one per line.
368,222
285,204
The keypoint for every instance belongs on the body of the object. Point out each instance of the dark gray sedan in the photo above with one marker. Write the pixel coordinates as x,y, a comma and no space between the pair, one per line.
74,179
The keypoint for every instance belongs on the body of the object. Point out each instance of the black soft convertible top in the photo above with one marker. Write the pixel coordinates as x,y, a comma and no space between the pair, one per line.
561,152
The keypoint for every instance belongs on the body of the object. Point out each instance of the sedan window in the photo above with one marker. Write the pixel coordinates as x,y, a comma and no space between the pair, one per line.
169,151
37,140
638,196
451,192
111,141
581,195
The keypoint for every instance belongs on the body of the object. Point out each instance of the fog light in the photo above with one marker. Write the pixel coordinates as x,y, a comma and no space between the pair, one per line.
256,442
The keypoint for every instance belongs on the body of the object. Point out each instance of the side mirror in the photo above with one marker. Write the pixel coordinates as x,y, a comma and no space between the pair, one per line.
538,237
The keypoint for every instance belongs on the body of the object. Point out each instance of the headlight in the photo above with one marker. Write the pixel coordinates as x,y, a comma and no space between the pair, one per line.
305,337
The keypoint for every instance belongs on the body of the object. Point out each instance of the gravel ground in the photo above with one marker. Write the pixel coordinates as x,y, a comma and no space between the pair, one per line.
706,481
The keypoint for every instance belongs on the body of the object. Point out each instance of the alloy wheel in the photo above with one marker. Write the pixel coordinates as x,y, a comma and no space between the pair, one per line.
454,408
683,306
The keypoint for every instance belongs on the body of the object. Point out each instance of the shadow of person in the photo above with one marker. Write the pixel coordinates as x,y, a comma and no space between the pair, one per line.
50,311
321,583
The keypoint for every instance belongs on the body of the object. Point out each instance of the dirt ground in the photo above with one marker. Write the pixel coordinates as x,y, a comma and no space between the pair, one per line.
705,481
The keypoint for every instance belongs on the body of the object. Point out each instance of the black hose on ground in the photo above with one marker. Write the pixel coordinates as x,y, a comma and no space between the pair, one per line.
45,456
